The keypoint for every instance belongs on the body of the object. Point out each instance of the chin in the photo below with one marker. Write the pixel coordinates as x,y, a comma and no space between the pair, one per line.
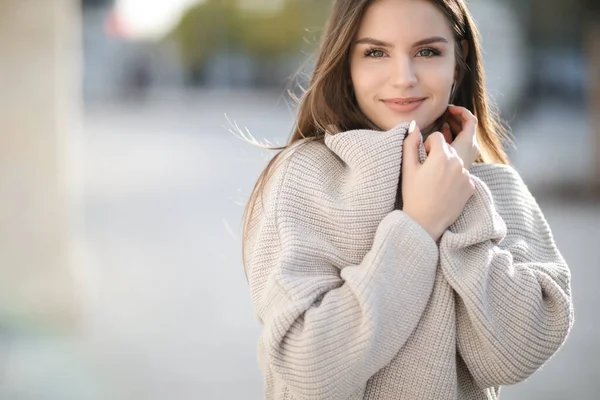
424,124
393,124
388,125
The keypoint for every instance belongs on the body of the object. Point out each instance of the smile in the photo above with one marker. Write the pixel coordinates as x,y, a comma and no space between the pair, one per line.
404,105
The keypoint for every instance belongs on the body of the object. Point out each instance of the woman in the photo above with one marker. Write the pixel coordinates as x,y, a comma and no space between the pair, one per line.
382,266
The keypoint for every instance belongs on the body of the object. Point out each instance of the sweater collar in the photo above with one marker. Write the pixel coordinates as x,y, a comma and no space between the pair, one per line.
366,148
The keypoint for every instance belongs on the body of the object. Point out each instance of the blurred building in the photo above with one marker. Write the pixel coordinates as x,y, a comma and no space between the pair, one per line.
535,51
118,66
533,47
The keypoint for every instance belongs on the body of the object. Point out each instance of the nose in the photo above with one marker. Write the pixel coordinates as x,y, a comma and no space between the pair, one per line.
404,74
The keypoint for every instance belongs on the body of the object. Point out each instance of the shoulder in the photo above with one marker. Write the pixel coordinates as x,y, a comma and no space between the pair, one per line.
309,156
500,178
302,171
506,186
285,183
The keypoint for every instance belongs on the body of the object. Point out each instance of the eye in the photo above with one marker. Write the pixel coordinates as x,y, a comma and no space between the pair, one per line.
375,53
427,53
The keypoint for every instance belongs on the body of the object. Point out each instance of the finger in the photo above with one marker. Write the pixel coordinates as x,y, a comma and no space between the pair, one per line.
410,147
434,142
467,132
447,133
454,153
455,123
466,143
462,112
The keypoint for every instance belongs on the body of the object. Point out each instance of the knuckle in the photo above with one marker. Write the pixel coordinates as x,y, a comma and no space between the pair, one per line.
470,182
457,162
469,187
437,135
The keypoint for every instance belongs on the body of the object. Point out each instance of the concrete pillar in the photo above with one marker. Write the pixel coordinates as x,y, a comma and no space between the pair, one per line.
39,127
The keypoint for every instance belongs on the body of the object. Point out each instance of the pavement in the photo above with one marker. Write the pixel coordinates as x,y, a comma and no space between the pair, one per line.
167,313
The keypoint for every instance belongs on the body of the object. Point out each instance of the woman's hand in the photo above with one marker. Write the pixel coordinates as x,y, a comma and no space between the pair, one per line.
435,192
463,121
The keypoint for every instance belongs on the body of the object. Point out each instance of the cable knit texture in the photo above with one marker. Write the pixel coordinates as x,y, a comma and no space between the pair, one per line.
357,301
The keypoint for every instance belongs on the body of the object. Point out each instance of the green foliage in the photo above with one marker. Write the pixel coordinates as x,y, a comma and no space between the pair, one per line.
216,24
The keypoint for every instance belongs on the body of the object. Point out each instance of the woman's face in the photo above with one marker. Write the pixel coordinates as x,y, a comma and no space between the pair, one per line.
402,63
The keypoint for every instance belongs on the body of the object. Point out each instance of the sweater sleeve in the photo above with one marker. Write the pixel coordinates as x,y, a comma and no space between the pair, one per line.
327,327
513,307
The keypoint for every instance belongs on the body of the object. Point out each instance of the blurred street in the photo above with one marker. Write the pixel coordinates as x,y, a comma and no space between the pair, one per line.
123,184
168,313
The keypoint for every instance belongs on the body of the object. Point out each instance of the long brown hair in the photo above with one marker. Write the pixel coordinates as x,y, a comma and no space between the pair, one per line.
328,105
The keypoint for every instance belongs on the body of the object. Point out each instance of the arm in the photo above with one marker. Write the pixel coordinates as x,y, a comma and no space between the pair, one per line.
328,327
514,306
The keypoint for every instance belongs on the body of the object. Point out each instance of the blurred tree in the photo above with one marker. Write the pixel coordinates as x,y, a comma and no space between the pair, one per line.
201,30
270,34
264,35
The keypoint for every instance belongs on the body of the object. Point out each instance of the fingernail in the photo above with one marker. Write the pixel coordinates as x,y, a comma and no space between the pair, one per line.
412,126
451,105
446,125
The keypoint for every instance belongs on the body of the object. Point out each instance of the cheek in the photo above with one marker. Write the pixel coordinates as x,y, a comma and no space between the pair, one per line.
366,79
438,78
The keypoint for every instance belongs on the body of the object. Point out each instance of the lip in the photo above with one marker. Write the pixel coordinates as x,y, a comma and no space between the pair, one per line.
404,104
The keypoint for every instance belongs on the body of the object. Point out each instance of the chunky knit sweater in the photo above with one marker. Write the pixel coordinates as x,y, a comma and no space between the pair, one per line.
357,301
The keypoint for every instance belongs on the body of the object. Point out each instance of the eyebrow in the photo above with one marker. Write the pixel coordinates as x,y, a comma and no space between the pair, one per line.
376,42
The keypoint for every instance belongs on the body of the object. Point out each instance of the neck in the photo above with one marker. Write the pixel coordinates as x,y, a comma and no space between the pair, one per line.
434,127
429,130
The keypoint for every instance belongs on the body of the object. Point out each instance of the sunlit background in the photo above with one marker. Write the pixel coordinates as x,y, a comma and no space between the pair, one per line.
122,183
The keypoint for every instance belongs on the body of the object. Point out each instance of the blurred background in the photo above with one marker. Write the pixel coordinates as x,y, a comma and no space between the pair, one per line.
123,186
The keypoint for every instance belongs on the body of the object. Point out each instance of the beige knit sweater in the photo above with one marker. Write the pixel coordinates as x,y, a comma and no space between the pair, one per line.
357,301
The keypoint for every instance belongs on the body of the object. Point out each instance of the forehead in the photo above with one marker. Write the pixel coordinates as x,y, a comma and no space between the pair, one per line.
400,21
